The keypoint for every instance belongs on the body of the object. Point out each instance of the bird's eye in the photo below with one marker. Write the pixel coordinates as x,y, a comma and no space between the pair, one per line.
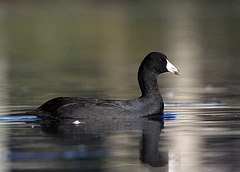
160,60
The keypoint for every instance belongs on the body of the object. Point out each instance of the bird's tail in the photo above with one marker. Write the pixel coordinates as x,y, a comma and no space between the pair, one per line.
39,113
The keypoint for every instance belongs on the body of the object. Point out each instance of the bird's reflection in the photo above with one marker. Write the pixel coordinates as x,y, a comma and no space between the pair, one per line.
149,152
89,133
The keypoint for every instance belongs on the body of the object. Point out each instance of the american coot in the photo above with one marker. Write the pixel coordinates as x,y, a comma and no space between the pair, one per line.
149,103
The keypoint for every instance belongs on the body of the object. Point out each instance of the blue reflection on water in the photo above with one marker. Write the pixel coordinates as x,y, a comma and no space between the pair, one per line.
171,116
20,118
67,155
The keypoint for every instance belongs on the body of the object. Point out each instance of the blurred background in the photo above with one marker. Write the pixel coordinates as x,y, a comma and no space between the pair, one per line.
93,49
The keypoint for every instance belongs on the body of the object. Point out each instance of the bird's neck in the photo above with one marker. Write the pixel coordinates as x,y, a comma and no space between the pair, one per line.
147,80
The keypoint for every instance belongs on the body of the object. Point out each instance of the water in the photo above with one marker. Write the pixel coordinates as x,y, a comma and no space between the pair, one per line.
205,137
93,49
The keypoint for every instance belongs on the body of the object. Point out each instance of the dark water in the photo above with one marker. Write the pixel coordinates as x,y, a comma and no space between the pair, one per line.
93,49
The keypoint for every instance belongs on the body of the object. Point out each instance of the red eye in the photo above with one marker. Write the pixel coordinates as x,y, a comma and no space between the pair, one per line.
160,60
